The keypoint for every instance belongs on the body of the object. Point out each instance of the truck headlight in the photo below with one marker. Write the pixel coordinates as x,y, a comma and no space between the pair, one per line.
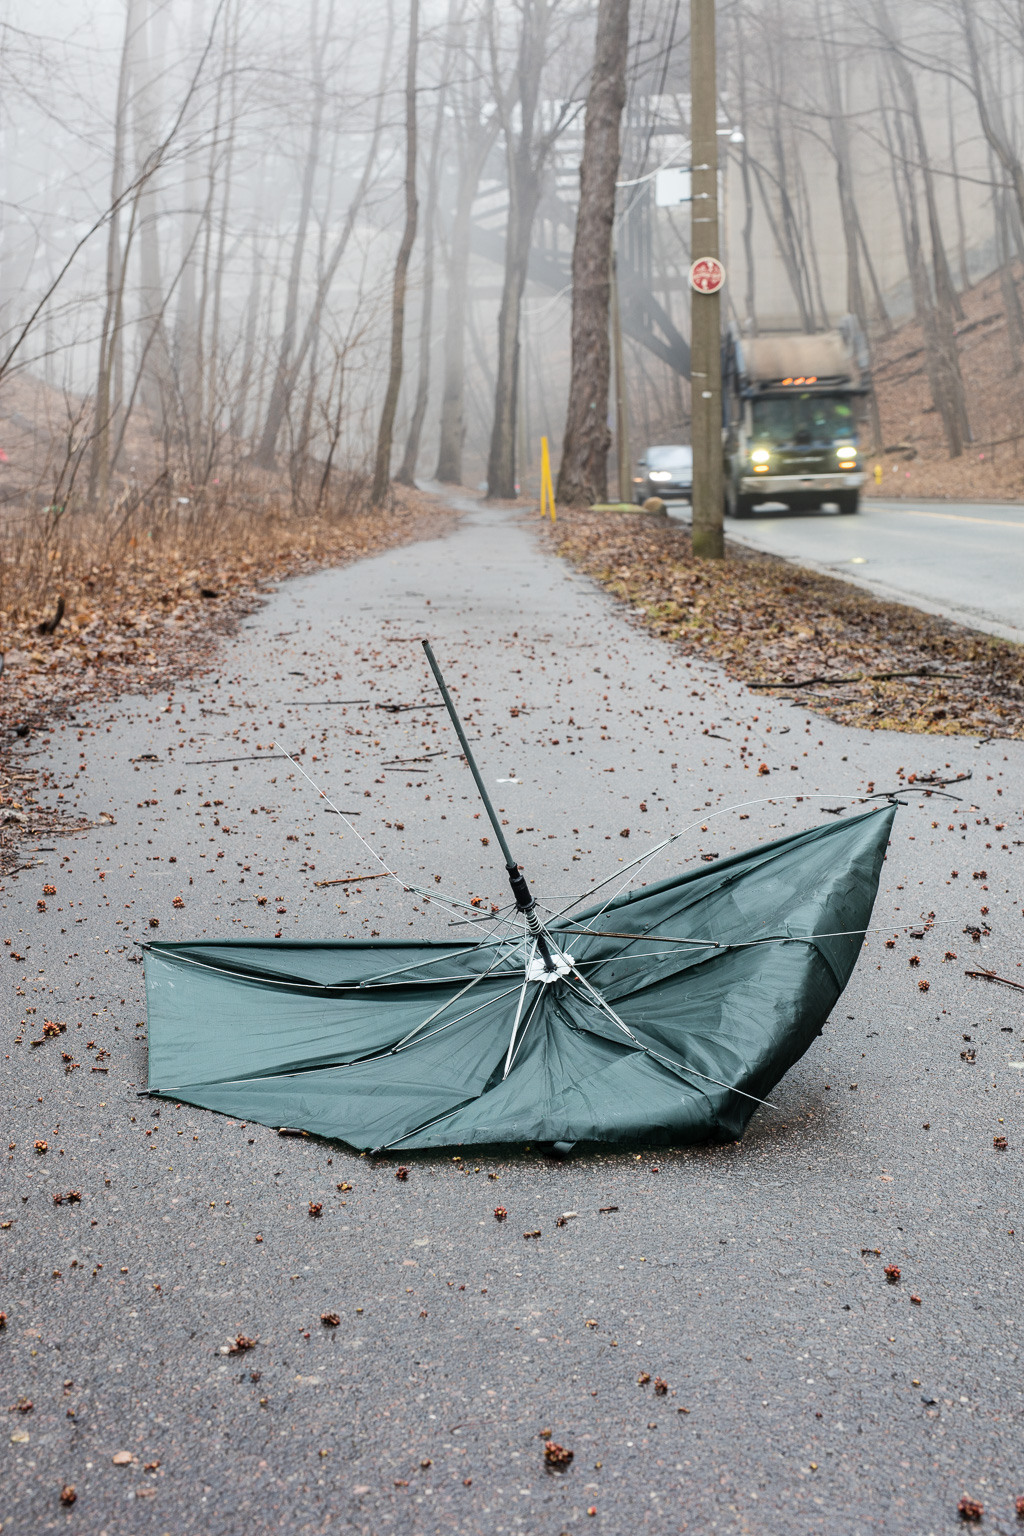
660,474
760,456
846,454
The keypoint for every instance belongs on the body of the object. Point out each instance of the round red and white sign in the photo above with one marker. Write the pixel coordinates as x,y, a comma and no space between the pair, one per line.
707,275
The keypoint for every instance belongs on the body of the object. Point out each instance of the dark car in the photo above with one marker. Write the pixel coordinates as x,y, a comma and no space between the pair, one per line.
666,470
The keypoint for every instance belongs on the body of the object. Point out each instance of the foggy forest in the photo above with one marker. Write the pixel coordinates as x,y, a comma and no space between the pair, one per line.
242,246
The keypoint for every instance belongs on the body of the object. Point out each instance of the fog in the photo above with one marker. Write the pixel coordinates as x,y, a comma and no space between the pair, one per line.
202,203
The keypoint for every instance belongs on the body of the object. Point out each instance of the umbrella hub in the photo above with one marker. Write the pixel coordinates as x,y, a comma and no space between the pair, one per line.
561,965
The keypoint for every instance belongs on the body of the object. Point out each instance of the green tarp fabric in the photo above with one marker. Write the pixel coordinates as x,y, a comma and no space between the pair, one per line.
305,1034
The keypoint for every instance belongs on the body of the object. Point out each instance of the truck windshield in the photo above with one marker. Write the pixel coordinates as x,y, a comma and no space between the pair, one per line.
803,418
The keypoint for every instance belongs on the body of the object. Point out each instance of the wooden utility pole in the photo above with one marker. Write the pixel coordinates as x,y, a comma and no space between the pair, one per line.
705,307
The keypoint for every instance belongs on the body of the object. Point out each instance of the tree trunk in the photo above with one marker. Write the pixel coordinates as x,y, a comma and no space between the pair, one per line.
382,467
942,365
185,338
961,228
156,386
326,278
99,466
989,114
748,191
525,161
407,473
1007,286
473,154
284,376
583,474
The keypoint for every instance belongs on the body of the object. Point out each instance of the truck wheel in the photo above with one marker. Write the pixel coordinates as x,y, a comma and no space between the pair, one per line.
848,501
735,504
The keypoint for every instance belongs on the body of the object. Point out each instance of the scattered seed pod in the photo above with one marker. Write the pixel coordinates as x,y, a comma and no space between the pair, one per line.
556,1456
330,1319
241,1345
643,1378
68,1495
892,1274
401,1174
999,1142
970,1510
660,1386
41,1147
316,1208
500,1213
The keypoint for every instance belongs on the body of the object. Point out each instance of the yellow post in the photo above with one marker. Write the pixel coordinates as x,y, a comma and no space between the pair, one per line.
547,489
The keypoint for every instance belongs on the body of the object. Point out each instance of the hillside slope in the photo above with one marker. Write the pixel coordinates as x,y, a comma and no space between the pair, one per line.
992,467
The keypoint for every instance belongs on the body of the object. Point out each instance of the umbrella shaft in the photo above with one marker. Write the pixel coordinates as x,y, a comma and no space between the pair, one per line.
520,890
528,907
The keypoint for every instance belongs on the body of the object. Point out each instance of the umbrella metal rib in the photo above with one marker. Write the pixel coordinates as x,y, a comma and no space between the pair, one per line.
446,1005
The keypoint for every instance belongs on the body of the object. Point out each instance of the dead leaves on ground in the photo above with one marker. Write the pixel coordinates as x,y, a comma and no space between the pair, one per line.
761,617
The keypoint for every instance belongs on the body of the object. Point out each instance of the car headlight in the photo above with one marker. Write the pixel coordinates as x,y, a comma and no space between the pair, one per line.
660,474
847,453
760,456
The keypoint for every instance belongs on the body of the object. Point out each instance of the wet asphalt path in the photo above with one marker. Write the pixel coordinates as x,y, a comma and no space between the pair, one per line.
964,560
819,1397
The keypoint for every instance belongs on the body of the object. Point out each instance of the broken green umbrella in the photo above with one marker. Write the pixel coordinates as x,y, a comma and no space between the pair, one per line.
661,1015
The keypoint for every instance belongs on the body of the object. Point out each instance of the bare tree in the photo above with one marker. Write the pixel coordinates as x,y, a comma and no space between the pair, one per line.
285,373
407,472
475,133
583,473
99,467
382,466
527,146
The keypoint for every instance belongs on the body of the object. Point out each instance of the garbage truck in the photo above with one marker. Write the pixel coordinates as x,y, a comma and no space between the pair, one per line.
793,405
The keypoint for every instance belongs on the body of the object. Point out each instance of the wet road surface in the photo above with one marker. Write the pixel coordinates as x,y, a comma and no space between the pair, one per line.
803,1392
962,560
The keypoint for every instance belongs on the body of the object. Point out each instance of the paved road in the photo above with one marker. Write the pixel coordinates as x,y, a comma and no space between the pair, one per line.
820,1398
961,559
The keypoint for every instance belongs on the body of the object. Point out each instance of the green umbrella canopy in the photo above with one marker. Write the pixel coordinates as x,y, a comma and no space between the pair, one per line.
671,1011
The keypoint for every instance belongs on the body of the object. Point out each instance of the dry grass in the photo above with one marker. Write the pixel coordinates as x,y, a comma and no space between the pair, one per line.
765,620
